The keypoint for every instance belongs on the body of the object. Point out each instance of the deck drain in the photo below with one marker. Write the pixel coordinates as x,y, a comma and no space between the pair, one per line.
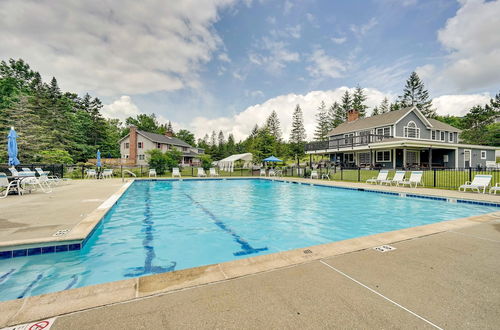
307,251
384,248
61,232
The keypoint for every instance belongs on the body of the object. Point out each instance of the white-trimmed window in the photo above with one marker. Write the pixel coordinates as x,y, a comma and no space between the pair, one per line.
141,157
442,136
483,154
140,145
411,130
433,135
382,131
349,157
348,138
450,137
383,156
127,145
126,156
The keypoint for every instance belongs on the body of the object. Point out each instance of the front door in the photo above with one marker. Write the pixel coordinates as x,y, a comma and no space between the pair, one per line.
399,158
467,158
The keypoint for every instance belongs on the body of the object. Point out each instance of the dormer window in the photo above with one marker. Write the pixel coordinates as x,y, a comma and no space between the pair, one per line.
411,130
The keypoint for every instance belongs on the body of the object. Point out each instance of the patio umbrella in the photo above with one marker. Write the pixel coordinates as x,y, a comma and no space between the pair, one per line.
12,147
98,163
272,159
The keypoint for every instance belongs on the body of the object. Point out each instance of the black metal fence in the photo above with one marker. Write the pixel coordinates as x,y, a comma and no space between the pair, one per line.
443,178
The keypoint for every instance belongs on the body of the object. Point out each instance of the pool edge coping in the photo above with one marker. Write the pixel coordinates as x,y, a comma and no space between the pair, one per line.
39,307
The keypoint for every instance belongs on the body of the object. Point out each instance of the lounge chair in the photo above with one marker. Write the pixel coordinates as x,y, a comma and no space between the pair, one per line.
492,165
415,178
495,188
176,172
480,182
22,174
152,172
399,176
30,183
272,172
262,172
90,174
382,176
201,172
326,175
278,173
314,174
107,174
7,186
213,172
52,178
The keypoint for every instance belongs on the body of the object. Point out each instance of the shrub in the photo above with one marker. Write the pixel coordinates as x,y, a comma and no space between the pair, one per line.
55,156
206,161
173,158
157,160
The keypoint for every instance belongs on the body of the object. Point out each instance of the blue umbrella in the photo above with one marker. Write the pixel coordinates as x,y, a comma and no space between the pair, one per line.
12,147
272,159
98,158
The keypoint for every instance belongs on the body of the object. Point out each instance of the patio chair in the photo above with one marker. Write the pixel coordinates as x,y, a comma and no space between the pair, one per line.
415,178
492,165
91,173
382,176
480,182
6,186
176,172
152,172
262,172
52,178
31,183
107,174
201,172
314,174
272,172
399,176
278,173
495,188
213,172
17,174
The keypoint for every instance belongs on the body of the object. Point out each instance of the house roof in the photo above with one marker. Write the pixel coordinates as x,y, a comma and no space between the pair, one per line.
388,118
164,139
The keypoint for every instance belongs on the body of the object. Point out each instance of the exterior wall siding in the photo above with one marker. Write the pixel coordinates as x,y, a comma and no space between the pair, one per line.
425,133
475,157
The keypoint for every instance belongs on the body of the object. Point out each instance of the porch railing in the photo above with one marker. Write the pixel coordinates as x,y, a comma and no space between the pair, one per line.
346,142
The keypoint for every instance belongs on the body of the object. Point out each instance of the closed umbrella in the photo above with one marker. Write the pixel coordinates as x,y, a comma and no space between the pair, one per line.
12,147
98,158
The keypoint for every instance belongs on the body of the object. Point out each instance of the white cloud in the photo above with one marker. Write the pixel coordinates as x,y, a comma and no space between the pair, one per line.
121,108
458,105
473,40
339,41
275,55
271,19
111,48
241,124
287,7
324,65
224,57
361,30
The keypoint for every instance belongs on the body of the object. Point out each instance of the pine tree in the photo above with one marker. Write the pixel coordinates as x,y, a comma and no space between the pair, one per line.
255,131
415,94
384,106
336,115
345,105
298,133
230,146
273,125
169,127
375,111
322,123
358,99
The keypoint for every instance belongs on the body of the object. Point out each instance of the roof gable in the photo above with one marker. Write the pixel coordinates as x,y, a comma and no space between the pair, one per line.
160,139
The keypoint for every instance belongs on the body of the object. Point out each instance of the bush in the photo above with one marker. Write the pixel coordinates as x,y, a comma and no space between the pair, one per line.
157,160
173,158
55,156
206,162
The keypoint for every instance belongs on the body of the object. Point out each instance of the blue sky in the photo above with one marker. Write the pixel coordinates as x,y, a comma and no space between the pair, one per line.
225,64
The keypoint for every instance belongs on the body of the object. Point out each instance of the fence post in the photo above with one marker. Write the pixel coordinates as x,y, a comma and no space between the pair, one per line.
434,177
359,174
121,171
141,171
241,171
470,174
62,171
83,170
341,174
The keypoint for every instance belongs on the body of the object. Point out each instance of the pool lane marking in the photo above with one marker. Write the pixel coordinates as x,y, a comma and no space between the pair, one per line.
30,286
4,276
147,243
245,246
381,295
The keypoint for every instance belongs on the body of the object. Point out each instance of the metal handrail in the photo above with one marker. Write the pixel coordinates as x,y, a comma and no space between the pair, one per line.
129,172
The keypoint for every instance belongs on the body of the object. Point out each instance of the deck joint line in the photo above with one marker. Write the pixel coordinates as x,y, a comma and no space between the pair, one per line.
381,295
474,236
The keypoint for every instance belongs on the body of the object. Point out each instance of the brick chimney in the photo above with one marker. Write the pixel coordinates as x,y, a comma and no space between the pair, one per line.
352,115
133,143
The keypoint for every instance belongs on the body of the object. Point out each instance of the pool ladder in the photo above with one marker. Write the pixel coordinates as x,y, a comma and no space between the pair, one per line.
127,171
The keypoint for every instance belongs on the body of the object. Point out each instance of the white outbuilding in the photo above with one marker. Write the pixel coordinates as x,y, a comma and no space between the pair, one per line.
227,164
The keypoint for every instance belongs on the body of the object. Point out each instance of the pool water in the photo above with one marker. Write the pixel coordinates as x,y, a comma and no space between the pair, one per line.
160,226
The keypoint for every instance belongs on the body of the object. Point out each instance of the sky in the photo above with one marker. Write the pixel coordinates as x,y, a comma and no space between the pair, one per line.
225,64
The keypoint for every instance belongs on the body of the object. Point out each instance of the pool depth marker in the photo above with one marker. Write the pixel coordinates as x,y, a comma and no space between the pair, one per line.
147,243
245,246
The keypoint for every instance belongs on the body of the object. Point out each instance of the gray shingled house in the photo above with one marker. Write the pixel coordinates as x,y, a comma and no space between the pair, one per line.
397,139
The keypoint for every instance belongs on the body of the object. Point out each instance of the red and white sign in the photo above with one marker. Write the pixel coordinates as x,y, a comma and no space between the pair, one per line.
38,325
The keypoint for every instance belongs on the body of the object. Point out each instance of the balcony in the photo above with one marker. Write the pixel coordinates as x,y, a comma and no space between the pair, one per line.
346,142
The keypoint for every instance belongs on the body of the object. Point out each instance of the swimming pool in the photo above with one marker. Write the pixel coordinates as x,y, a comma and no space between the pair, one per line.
160,226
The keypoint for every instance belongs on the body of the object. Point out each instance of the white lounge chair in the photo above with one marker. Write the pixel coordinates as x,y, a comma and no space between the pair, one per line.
6,186
201,172
152,172
415,179
213,172
480,182
495,188
107,174
492,165
262,172
399,176
91,173
176,172
272,172
314,174
22,174
382,176
31,183
52,178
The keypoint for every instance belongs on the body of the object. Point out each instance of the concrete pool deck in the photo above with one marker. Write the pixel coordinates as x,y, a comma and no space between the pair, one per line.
437,268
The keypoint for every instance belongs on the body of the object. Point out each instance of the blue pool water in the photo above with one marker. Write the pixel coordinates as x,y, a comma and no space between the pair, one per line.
160,226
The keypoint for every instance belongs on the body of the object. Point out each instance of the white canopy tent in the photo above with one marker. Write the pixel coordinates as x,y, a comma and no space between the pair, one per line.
227,164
